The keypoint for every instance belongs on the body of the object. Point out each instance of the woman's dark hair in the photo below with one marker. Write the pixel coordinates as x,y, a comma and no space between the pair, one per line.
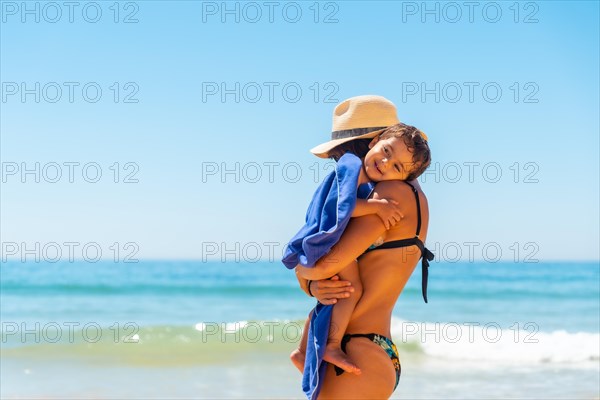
358,147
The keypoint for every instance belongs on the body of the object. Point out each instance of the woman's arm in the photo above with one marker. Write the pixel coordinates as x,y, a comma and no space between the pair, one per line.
326,291
303,283
359,235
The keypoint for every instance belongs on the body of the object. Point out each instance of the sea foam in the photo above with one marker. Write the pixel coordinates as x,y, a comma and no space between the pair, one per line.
519,343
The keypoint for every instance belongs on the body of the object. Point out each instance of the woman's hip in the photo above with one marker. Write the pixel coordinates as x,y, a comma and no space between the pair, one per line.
377,358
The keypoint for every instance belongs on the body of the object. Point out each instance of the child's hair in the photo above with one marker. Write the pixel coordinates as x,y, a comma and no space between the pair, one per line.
412,137
415,143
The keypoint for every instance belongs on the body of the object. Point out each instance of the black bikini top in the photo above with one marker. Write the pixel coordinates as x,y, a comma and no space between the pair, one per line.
426,255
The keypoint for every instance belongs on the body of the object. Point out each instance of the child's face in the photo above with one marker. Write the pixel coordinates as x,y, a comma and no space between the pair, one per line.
389,159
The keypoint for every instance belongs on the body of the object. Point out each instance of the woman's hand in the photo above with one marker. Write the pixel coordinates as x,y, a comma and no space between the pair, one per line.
327,291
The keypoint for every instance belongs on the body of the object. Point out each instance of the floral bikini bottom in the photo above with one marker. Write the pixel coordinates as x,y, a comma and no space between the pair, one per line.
383,342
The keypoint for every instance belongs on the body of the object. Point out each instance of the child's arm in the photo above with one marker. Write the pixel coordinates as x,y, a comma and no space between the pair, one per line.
387,210
367,206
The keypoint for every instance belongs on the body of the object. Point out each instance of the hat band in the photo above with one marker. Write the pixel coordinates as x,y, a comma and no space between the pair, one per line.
354,132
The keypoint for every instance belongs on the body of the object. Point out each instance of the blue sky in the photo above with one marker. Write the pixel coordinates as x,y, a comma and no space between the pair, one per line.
170,121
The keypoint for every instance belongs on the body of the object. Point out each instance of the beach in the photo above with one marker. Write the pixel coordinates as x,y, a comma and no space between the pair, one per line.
188,329
156,160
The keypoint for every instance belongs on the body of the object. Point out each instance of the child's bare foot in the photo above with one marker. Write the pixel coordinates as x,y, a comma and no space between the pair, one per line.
297,358
336,356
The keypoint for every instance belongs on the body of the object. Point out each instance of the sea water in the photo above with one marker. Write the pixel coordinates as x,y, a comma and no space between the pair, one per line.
191,329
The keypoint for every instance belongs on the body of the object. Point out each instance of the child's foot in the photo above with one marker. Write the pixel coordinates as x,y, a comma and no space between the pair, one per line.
336,356
297,358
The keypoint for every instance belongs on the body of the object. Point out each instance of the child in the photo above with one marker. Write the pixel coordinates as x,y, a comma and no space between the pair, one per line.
400,152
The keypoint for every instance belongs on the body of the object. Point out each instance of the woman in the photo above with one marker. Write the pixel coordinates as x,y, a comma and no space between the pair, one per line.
384,272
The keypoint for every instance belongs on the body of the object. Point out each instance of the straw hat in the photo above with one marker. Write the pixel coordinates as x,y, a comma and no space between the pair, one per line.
359,117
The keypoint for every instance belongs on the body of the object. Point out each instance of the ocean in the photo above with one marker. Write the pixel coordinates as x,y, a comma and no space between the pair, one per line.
191,329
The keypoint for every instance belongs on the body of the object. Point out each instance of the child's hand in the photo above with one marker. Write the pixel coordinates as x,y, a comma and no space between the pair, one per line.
389,212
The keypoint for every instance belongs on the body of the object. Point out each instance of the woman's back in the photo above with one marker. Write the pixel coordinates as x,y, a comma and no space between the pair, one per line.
384,273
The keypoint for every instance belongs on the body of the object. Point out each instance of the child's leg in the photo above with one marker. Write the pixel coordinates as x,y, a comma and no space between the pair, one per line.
299,354
340,317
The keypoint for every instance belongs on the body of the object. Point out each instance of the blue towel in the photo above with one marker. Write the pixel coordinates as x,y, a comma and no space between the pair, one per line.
314,366
326,219
327,216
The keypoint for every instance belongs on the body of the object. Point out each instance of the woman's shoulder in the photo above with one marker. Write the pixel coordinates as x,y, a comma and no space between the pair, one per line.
398,190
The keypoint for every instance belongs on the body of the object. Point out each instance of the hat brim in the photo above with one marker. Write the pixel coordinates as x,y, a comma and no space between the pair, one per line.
323,149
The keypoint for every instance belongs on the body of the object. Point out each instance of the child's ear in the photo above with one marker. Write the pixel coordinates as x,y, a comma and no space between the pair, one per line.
374,141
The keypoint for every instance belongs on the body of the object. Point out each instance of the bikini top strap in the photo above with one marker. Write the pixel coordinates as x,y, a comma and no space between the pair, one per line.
416,192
